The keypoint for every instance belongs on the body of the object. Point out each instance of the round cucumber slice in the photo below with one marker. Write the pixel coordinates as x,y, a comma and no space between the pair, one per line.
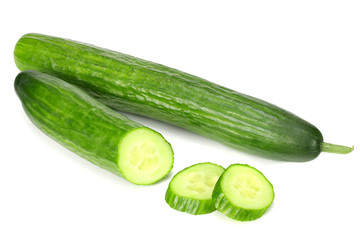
243,193
191,189
145,156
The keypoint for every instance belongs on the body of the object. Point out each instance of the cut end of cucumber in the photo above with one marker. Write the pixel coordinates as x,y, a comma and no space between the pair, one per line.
145,157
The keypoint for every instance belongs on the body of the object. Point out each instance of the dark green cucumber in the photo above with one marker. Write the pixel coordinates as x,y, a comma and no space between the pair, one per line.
243,193
134,85
190,190
92,130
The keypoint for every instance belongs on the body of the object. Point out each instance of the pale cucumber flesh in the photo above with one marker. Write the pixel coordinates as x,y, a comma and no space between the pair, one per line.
243,193
144,156
191,189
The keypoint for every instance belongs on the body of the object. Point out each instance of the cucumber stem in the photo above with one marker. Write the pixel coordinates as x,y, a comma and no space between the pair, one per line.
333,148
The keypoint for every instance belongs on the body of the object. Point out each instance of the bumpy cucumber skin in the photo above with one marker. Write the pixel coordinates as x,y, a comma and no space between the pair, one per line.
187,204
73,118
224,205
134,85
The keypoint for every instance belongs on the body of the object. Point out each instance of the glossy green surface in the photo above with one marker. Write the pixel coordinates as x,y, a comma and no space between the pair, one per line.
76,120
134,85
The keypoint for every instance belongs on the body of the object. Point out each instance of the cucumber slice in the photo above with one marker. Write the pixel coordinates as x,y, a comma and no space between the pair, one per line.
243,193
191,189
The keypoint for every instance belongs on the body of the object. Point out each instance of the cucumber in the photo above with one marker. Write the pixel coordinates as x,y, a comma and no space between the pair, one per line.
190,190
92,130
243,193
137,86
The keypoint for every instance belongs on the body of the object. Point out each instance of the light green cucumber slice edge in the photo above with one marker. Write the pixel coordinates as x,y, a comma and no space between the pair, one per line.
190,190
243,193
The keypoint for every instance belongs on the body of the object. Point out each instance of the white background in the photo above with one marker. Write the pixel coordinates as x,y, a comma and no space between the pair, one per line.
301,55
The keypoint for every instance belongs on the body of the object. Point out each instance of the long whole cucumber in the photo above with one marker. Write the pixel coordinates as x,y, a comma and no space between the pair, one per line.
92,130
138,86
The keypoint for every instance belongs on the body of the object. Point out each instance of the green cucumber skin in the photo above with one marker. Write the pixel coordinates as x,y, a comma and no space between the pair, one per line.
137,86
223,205
189,205
73,118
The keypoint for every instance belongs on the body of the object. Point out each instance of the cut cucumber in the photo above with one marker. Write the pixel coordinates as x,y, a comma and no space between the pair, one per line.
191,189
243,193
92,130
